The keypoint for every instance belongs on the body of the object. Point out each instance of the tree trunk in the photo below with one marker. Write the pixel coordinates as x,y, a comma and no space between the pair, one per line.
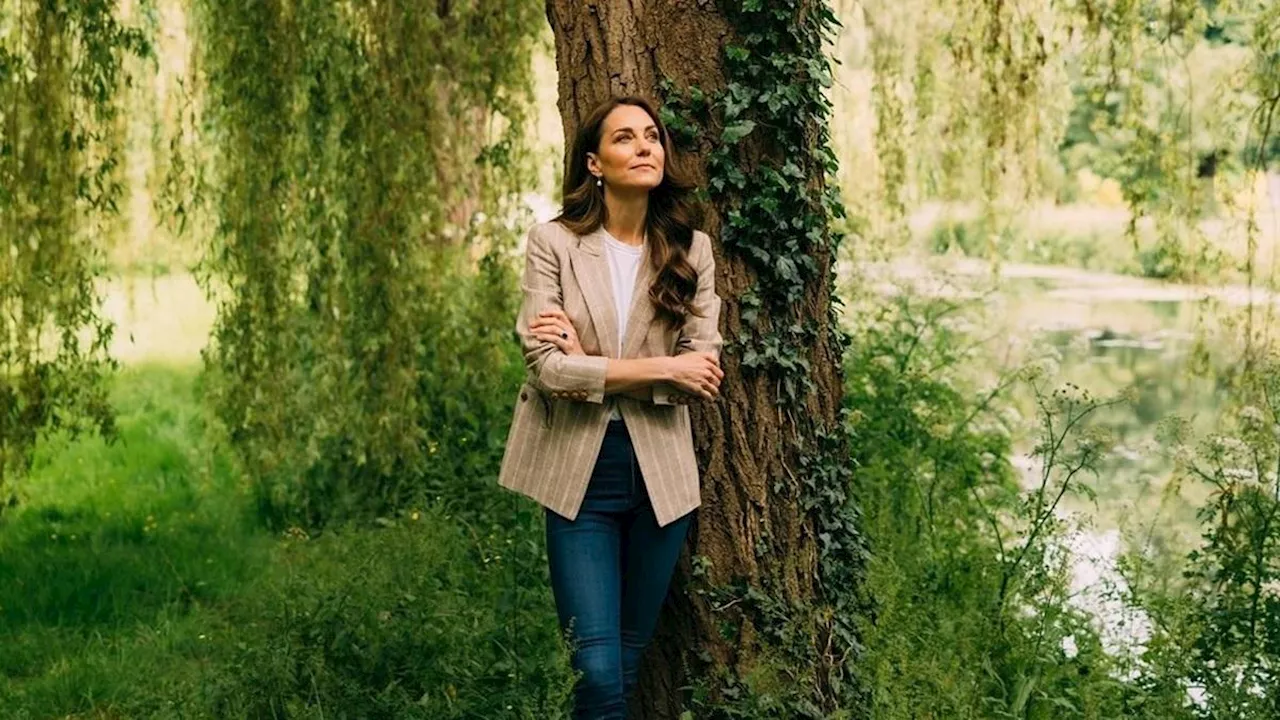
752,526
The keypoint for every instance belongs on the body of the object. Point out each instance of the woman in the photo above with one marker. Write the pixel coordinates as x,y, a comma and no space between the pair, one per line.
619,326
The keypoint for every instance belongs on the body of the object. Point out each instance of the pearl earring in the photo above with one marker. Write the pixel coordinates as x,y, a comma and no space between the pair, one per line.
599,182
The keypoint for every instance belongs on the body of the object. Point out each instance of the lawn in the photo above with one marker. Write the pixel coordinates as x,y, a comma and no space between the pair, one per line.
138,582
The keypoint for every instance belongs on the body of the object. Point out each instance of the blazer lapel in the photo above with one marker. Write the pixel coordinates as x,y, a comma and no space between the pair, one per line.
641,312
591,269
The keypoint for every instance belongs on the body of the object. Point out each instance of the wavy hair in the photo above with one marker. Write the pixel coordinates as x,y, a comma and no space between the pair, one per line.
669,222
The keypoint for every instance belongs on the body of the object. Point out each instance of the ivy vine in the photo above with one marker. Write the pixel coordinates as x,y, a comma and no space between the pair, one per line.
771,172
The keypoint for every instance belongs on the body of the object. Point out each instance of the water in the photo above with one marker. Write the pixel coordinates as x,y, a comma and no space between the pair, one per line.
1105,333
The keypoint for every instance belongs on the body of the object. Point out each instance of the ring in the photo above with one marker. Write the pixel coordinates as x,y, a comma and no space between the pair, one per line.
564,335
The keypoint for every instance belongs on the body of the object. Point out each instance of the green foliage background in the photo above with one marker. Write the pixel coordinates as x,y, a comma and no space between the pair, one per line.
360,156
60,148
307,525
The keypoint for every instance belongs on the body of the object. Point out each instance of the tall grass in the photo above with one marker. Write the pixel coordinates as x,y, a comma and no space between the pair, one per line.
137,582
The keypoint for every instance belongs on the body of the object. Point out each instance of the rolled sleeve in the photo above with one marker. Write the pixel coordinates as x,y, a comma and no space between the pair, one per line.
663,393
549,368
701,331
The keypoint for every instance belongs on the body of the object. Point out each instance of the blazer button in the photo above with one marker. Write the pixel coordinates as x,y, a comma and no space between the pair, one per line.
523,396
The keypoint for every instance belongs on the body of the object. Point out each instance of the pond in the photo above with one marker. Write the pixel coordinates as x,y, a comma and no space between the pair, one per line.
1172,346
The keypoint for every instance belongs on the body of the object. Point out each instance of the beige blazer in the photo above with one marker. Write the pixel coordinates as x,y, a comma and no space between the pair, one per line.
560,414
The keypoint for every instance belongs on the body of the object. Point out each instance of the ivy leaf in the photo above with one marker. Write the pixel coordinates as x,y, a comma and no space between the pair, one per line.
735,132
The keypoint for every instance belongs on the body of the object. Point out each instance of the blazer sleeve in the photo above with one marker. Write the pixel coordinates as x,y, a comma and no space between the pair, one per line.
549,368
701,332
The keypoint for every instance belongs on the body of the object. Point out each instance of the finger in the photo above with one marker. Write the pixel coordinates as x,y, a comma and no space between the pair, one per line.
549,321
551,338
547,326
552,329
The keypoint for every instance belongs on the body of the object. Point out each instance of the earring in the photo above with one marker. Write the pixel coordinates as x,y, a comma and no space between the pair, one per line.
599,182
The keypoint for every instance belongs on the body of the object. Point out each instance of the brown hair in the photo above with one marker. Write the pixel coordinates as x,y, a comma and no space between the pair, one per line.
669,222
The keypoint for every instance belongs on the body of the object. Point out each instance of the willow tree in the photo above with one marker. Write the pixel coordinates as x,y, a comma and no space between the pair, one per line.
60,145
352,145
765,601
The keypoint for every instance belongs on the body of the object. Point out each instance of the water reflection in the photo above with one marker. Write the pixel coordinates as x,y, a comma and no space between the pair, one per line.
1170,347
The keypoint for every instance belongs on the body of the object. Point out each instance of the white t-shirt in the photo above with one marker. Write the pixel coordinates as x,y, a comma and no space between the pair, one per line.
624,262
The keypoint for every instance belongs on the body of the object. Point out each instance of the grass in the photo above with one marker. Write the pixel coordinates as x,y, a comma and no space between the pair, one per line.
1089,236
119,550
138,582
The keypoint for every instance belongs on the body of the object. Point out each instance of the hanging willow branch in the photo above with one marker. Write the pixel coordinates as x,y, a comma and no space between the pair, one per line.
999,103
352,145
60,70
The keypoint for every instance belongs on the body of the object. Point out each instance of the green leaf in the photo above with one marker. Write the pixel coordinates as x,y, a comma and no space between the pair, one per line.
736,131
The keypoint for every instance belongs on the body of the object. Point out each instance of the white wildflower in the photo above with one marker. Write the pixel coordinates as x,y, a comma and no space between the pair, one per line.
1251,416
1242,475
1069,647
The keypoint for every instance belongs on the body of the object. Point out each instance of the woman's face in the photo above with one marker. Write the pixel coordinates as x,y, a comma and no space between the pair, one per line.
630,156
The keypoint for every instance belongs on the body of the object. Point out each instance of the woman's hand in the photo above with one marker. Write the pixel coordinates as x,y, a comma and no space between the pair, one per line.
554,326
696,373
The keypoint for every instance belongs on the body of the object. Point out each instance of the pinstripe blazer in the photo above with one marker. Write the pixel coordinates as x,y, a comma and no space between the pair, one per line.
560,414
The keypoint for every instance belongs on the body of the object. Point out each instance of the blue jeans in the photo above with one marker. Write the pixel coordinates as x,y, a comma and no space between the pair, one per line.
610,569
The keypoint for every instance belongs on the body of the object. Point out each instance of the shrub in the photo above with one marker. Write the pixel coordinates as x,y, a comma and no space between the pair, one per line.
427,617
972,617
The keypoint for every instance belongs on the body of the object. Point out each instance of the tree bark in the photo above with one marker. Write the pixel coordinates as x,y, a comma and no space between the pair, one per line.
749,530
